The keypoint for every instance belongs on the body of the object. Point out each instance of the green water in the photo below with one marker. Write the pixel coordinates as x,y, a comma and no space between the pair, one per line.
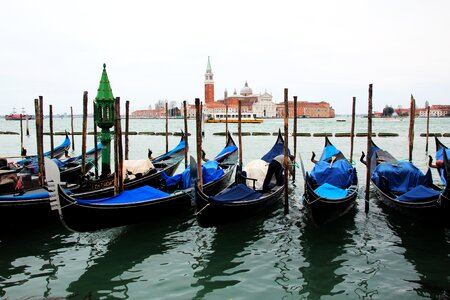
380,255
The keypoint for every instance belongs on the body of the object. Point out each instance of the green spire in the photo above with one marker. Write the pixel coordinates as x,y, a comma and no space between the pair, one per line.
208,68
104,91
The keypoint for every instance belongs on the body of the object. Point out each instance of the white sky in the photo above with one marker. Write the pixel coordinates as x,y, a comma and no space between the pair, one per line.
321,50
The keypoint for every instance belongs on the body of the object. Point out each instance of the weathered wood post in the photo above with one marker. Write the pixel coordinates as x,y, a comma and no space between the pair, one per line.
226,123
167,127
118,155
52,143
71,124
352,129
21,136
38,104
95,142
240,132
127,127
412,113
286,162
198,122
369,152
83,141
428,128
295,134
186,134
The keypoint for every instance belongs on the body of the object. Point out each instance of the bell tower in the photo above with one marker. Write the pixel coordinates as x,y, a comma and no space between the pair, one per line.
209,84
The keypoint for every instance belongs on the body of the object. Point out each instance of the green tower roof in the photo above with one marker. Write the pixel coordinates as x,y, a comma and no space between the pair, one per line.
104,91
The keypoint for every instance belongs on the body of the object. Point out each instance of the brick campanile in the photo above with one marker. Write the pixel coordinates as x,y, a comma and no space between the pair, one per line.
209,84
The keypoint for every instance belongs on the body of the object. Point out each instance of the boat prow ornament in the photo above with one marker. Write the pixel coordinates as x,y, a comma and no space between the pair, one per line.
53,179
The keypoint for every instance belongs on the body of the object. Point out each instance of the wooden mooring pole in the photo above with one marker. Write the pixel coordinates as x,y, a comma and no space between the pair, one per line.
226,123
38,104
369,153
186,134
71,125
352,129
167,127
127,127
428,128
118,150
21,136
295,135
240,132
95,143
286,162
412,113
198,126
83,141
52,142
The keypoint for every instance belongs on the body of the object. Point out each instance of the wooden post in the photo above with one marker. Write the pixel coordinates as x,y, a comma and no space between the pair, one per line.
52,143
118,155
71,124
286,163
240,132
127,126
412,112
352,129
38,103
186,134
295,134
199,142
226,123
428,128
167,127
369,145
95,143
27,125
83,142
21,135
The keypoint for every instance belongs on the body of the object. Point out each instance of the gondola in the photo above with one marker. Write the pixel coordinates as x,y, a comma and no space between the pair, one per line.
71,167
104,187
405,189
331,188
237,201
440,148
31,206
58,152
138,205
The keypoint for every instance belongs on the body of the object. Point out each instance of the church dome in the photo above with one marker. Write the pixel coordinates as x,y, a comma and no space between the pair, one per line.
246,90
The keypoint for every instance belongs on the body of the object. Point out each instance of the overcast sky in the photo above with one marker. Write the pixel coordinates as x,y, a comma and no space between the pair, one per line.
321,50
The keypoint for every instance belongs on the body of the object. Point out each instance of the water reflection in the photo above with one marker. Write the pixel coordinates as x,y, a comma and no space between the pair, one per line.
322,248
104,273
221,250
427,248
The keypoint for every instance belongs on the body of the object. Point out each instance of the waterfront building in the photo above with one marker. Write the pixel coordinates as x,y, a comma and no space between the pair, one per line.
306,109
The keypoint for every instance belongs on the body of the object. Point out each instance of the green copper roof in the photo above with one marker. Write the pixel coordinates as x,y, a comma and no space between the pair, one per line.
104,91
208,68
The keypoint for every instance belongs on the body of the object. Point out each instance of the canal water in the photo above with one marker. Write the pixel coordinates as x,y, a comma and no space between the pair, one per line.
379,255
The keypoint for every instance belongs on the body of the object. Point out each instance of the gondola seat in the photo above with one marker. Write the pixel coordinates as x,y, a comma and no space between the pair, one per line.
238,193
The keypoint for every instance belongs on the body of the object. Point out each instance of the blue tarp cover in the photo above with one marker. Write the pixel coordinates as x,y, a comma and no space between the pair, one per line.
400,177
26,196
330,191
210,172
142,194
328,152
276,150
418,194
238,193
178,148
225,152
341,174
440,156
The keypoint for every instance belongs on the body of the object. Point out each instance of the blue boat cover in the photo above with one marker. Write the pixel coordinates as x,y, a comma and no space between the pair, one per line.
276,150
419,194
341,174
328,152
238,193
142,194
26,196
330,191
225,152
178,148
210,172
440,156
400,177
